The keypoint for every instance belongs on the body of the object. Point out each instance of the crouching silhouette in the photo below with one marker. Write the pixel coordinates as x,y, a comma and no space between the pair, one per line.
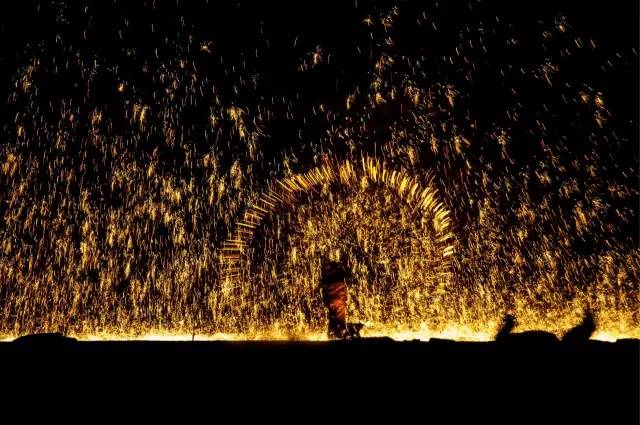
505,334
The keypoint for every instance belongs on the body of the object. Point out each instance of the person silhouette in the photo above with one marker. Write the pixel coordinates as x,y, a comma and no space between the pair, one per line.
506,327
333,285
583,331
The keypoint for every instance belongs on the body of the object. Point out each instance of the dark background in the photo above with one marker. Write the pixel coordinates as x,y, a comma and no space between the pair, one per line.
238,29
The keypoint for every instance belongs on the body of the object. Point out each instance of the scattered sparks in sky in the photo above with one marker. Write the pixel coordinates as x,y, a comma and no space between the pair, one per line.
457,180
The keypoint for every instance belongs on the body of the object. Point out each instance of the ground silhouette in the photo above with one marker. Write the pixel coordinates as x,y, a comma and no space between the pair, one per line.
530,376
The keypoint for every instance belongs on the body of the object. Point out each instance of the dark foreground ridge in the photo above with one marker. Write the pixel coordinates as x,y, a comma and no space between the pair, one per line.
531,375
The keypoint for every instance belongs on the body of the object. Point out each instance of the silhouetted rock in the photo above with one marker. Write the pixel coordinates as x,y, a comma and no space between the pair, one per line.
44,339
581,332
530,337
440,341
628,341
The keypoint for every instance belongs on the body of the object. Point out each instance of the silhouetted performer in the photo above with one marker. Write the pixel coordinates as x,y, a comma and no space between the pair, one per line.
508,323
583,331
505,334
333,285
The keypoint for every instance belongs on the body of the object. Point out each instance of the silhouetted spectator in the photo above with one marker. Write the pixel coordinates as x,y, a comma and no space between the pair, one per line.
506,334
508,323
583,331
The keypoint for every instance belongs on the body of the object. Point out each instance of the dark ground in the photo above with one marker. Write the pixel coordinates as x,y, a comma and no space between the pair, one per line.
523,378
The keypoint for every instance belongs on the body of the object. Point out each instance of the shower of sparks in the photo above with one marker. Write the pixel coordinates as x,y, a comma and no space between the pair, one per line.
141,196
398,244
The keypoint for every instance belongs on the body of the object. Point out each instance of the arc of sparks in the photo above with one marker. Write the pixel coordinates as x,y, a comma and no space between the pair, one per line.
285,193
